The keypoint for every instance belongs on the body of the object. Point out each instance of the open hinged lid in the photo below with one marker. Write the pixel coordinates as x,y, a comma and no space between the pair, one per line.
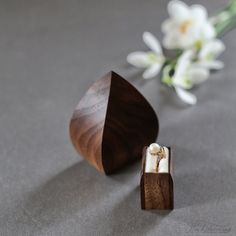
112,123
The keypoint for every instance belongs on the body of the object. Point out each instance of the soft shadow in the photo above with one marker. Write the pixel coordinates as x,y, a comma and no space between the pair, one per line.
78,189
199,178
66,194
128,218
124,174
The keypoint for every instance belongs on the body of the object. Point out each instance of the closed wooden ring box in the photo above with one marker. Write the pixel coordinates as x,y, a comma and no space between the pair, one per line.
157,188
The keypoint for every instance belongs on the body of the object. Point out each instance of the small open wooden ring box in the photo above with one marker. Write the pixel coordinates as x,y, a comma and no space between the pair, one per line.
157,186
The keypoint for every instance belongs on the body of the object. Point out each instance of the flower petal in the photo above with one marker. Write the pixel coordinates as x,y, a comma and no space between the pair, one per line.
138,59
219,47
152,71
187,55
152,42
178,10
168,25
175,40
198,74
216,65
170,41
187,97
213,48
211,65
208,31
199,13
183,62
187,41
181,70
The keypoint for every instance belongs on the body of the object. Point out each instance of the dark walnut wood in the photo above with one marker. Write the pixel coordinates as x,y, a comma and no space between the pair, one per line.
112,123
157,188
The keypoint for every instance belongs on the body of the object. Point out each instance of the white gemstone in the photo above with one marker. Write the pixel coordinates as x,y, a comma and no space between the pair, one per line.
154,148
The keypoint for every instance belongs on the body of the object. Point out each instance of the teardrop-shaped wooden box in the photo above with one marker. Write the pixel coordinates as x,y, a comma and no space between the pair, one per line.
112,123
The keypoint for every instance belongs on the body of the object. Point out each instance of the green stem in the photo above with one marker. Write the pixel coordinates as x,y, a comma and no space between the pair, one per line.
226,20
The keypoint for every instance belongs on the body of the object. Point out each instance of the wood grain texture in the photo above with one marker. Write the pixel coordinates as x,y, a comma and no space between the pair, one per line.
112,123
156,189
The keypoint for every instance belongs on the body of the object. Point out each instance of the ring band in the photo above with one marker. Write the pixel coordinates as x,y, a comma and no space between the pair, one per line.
158,152
160,155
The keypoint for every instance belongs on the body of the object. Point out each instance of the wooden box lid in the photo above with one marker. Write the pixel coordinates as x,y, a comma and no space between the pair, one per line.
112,123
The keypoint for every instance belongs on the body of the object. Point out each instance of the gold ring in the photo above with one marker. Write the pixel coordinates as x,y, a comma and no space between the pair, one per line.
159,152
160,155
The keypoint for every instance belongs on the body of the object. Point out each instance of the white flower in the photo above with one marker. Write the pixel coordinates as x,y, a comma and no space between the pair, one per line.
187,26
208,54
186,75
152,60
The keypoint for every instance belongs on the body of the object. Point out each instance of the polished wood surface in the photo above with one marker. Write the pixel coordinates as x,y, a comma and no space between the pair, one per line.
112,123
156,189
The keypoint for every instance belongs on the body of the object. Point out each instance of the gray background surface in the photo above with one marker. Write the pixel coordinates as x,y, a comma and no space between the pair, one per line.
50,53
